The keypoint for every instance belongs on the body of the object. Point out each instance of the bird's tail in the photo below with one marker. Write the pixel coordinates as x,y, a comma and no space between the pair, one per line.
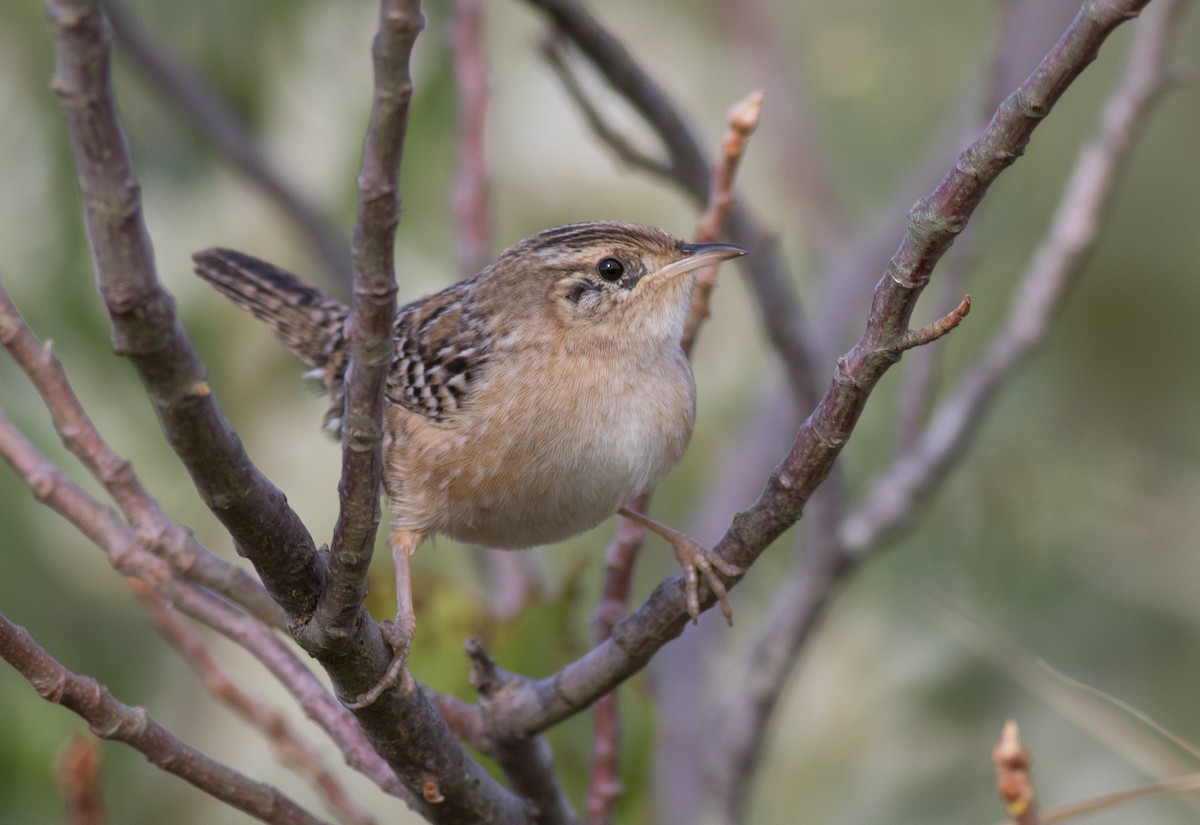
306,320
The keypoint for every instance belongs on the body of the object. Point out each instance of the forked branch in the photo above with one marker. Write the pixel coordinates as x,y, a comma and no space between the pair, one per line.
933,223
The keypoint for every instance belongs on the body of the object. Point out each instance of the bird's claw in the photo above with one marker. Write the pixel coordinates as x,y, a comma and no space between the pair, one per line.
696,561
399,636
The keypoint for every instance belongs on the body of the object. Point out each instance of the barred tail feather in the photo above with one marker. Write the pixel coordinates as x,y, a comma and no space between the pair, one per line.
306,320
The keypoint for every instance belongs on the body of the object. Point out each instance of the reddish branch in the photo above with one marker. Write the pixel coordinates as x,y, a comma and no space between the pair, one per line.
743,120
109,719
289,749
130,558
172,542
604,782
79,778
472,189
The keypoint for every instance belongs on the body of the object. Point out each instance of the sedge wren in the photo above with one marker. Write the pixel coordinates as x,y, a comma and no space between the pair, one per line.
525,404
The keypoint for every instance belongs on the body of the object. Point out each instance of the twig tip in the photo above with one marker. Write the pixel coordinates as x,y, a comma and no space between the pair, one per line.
744,115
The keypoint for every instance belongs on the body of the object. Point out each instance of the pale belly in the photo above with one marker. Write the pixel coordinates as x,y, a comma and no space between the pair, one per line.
524,475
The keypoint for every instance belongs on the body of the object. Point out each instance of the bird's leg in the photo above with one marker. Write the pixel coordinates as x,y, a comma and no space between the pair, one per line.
695,560
399,633
404,543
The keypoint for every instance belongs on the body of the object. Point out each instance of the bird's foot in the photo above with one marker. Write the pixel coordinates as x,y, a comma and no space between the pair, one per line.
399,633
399,638
696,560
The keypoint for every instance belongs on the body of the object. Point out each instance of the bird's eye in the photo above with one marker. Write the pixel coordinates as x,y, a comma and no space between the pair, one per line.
610,269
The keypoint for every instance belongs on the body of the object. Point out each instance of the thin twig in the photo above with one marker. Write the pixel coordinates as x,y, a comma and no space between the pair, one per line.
620,557
932,225
169,540
743,120
181,87
1114,723
130,558
528,763
1076,810
109,719
553,49
923,374
289,749
800,158
472,188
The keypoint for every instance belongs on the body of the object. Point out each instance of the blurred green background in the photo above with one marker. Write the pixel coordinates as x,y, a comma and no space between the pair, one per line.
1070,533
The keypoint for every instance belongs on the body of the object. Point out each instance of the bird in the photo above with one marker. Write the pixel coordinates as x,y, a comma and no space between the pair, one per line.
525,404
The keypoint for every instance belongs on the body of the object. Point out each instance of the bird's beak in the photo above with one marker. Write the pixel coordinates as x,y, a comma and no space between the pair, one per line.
699,255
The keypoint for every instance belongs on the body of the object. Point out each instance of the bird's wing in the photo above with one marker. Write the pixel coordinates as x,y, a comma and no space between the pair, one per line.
441,351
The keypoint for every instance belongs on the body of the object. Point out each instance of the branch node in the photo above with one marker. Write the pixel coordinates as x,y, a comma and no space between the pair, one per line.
931,332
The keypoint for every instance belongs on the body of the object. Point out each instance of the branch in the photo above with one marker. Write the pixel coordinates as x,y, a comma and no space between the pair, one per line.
109,719
398,717
604,781
145,328
909,485
823,217
743,721
292,674
181,87
553,49
933,223
472,188
743,120
168,540
130,558
369,329
288,747
527,762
